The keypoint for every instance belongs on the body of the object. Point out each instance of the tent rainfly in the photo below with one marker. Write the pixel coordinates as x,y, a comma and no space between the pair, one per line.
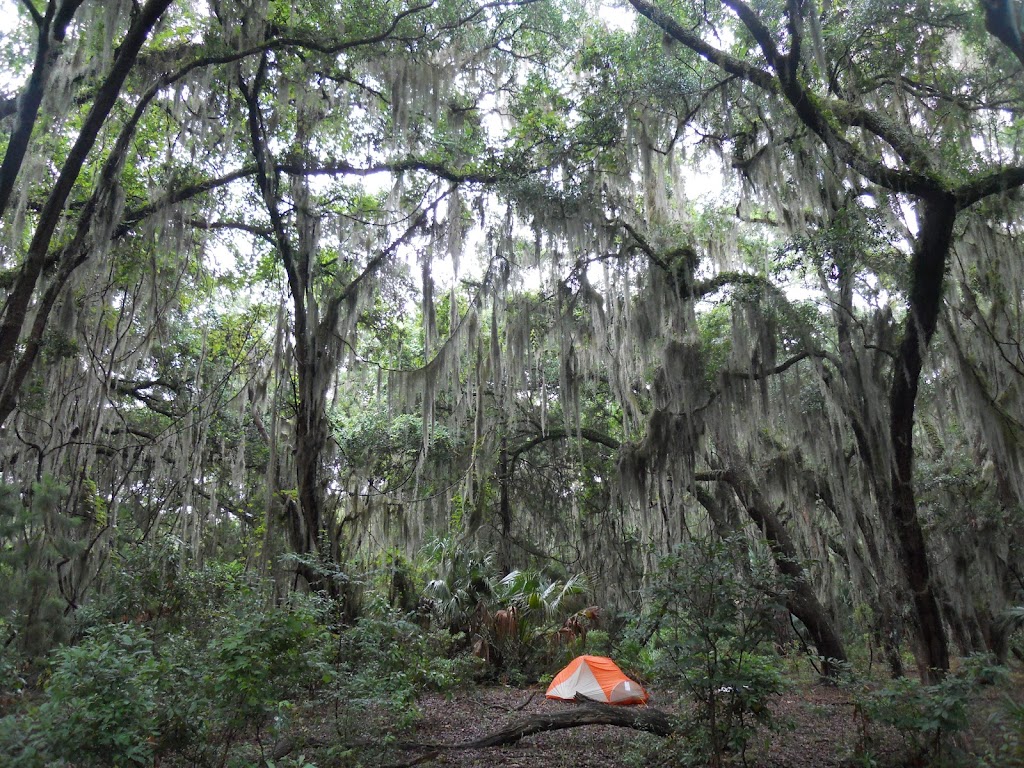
597,678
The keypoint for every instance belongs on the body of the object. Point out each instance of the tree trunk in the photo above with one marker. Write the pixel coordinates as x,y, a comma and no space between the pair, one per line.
868,432
307,478
928,268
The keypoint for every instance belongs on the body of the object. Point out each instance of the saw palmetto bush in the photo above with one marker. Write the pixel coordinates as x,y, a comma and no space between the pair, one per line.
509,620
462,589
524,629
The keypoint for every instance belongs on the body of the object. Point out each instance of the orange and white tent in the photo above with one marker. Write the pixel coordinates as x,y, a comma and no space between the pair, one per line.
598,678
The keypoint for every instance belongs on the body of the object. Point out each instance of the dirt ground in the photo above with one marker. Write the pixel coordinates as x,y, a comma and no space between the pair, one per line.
824,730
824,733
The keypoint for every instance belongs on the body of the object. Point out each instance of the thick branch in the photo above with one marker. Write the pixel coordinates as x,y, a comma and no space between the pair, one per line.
267,181
190,191
997,182
469,175
801,600
334,305
180,195
560,434
785,81
775,370
28,106
36,16
897,136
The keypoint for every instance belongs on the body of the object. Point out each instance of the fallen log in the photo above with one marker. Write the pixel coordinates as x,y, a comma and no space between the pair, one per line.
646,719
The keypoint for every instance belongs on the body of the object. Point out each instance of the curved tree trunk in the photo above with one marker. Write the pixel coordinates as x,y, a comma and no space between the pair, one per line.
801,602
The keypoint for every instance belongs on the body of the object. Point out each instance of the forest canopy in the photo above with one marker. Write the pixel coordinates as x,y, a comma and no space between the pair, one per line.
444,295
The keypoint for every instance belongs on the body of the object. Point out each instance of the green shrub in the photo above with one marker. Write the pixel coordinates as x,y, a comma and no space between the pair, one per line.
262,659
717,600
240,676
930,718
635,653
129,693
12,662
147,583
102,700
21,743
213,665
389,659
1008,751
597,643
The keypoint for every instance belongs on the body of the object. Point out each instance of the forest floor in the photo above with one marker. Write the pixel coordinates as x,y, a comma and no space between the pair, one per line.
823,730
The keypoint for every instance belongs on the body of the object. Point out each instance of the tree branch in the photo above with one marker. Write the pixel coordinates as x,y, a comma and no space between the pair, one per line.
18,300
1003,21
37,17
560,434
27,106
787,83
717,57
997,182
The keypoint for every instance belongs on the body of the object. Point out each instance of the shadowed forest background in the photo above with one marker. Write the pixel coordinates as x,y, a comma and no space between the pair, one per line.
356,352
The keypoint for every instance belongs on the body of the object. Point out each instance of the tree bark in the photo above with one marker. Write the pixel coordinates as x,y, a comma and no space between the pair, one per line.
939,209
307,526
869,434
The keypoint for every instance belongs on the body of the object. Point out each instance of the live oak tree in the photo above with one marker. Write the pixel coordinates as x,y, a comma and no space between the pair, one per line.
830,137
629,265
866,86
70,171
414,81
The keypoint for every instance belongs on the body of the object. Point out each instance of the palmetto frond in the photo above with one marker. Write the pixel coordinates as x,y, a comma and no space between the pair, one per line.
533,596
1012,619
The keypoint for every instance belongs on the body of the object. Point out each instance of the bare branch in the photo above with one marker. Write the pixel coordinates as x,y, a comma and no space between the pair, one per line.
591,435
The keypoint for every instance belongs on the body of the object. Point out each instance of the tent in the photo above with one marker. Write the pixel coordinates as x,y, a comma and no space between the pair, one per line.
598,678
